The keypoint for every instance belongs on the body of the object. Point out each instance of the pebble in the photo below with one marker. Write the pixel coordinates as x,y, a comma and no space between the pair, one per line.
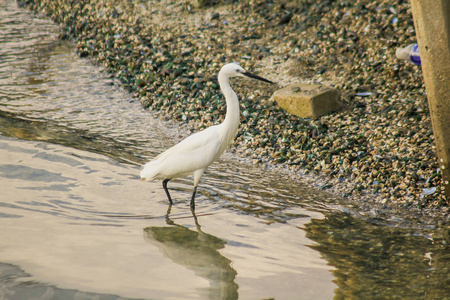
378,148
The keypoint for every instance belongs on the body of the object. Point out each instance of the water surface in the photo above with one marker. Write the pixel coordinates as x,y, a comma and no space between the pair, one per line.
77,223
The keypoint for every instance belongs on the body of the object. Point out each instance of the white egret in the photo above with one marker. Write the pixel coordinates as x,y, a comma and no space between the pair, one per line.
195,153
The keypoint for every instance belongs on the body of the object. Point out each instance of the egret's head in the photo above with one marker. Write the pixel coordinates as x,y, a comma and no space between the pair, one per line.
234,70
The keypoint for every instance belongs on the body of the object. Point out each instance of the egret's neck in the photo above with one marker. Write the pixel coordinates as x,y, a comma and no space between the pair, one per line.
231,123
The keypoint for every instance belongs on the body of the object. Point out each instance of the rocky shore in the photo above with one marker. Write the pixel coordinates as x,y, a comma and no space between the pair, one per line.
377,149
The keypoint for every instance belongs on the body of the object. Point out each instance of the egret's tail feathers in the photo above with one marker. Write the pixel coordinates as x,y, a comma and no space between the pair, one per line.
149,171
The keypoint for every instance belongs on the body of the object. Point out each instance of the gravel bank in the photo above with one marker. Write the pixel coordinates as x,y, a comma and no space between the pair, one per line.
377,149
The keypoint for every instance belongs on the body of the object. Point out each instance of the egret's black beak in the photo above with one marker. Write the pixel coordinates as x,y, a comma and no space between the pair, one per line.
248,74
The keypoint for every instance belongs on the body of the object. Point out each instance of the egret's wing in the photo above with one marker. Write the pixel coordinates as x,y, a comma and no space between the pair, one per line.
192,143
195,152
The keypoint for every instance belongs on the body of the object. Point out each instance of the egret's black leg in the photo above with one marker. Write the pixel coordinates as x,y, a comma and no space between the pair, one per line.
165,181
193,199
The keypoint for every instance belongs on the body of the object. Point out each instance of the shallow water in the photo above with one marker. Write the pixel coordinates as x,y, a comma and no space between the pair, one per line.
77,223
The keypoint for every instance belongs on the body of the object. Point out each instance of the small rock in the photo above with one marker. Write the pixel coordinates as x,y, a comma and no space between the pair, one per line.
285,19
429,191
364,94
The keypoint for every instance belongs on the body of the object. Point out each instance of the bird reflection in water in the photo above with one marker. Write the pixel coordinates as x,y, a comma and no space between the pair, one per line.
199,252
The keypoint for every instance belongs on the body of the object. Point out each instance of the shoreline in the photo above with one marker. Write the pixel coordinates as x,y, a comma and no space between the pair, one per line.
377,150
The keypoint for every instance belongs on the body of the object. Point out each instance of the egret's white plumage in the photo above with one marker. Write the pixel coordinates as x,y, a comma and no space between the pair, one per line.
195,153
